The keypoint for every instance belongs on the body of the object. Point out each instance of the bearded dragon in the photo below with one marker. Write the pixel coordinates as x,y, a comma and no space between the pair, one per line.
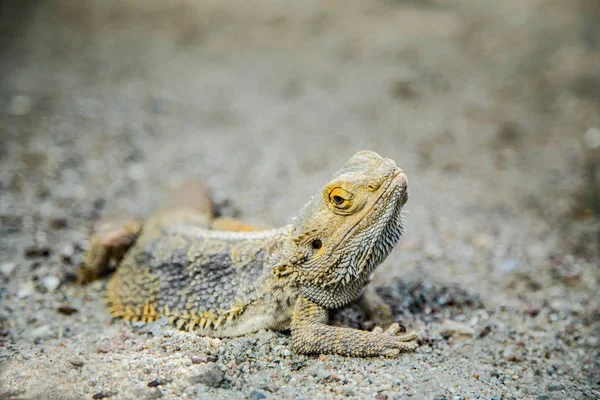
182,265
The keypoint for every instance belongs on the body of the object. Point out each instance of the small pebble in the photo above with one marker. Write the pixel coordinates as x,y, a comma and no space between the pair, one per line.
42,332
77,361
210,375
592,341
51,283
485,331
67,310
512,353
297,365
58,223
270,388
323,374
256,395
67,252
7,268
555,388
25,290
202,360
533,312
37,251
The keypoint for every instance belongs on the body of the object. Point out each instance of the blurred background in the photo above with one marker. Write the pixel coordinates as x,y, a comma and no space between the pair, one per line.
491,108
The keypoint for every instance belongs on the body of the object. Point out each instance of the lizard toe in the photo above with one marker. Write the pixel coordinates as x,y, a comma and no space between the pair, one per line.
393,329
407,337
408,346
377,330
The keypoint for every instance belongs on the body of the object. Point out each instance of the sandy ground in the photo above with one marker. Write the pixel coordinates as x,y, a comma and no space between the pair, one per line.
492,109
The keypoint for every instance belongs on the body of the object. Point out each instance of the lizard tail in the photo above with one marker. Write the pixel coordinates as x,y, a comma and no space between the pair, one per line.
191,194
189,204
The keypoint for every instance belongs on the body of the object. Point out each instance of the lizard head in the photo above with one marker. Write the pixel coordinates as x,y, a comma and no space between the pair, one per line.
344,232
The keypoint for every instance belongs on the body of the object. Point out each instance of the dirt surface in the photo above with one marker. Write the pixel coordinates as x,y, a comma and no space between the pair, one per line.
491,108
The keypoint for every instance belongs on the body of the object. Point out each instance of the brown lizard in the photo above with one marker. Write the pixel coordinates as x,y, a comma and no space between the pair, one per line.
180,264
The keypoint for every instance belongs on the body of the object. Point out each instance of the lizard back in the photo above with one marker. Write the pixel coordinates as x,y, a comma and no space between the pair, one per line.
197,277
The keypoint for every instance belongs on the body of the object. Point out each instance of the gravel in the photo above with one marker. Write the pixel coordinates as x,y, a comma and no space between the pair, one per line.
490,108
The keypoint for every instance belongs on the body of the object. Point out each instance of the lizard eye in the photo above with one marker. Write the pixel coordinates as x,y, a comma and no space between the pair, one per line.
341,198
316,244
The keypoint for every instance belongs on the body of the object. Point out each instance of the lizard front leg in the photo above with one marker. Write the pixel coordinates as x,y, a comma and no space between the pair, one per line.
311,334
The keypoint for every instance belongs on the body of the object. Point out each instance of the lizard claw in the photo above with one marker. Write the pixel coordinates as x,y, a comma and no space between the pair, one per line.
408,345
399,331
393,329
400,344
401,341
407,337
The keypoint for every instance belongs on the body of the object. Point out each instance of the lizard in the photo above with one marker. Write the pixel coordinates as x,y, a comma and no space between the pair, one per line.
182,265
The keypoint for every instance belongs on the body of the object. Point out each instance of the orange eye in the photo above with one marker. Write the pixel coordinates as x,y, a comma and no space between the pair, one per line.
341,198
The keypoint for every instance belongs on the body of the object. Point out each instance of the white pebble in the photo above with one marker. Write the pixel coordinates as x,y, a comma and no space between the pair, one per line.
50,282
592,138
7,268
41,332
25,290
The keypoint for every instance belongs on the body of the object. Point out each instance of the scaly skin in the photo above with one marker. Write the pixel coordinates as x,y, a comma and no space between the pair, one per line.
218,283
